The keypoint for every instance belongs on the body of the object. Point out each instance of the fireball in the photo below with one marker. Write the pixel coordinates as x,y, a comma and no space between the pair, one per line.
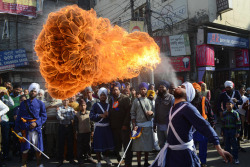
76,49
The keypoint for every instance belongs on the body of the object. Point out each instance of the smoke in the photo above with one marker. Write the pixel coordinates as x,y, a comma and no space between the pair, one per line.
165,71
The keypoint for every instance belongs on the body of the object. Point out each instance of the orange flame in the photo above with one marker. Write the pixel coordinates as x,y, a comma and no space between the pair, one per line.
76,49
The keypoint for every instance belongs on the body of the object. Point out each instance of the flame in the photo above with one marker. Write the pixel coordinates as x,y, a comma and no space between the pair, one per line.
76,49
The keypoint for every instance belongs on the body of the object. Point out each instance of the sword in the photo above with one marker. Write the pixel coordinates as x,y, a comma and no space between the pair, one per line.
21,137
133,134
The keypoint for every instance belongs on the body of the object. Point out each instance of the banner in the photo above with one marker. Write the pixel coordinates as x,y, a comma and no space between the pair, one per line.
163,43
180,64
242,58
13,58
19,7
136,26
204,55
227,40
180,45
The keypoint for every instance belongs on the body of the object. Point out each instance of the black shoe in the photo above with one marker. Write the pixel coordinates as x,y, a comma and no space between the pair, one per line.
146,164
138,165
60,164
72,162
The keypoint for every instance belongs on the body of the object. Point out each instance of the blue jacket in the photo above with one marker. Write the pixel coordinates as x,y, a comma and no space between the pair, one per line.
37,108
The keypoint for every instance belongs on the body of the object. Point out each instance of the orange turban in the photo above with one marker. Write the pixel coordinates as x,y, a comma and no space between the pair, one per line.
196,86
150,92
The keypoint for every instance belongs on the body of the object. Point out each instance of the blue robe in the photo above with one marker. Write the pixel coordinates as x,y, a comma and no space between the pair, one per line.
183,123
103,138
37,108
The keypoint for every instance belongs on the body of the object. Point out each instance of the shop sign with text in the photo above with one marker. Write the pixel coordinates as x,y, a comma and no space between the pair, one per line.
224,5
13,58
204,55
227,40
21,7
180,45
180,64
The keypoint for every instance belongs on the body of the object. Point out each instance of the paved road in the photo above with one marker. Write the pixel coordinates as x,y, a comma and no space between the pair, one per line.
214,160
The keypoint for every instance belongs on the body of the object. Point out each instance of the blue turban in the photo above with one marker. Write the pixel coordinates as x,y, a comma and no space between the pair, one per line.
143,84
115,84
165,83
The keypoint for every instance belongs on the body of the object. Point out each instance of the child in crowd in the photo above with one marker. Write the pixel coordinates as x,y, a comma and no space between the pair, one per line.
231,129
103,138
83,130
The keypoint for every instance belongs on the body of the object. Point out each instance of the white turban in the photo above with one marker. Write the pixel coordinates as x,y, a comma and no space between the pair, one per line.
190,91
101,91
34,86
229,84
41,91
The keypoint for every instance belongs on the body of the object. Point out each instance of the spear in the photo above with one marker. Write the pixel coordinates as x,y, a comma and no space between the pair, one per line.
21,137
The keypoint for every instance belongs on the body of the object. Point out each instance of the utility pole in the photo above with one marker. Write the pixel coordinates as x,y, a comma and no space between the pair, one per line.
150,32
132,10
148,18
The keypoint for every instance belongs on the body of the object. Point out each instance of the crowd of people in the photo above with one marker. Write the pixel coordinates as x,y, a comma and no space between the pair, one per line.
100,119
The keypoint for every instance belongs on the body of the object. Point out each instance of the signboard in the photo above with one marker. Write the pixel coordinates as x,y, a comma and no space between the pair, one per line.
224,5
163,43
179,45
227,40
180,64
242,58
204,55
136,26
13,58
168,13
19,7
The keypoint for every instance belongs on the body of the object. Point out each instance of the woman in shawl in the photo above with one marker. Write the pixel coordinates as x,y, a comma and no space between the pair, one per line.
205,92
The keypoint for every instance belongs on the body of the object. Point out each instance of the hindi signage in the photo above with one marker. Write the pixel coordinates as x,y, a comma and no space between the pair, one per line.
180,64
179,45
13,58
224,5
227,40
242,58
204,55
19,7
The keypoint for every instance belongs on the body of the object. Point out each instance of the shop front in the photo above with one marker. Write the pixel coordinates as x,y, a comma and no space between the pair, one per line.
229,55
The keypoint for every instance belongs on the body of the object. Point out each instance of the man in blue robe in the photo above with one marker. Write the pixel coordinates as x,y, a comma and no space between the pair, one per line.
29,122
179,151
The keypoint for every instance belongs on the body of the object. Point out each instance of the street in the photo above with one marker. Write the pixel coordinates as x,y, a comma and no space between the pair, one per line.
213,160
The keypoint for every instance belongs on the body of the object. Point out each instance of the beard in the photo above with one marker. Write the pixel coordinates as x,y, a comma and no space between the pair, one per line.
229,92
162,93
179,94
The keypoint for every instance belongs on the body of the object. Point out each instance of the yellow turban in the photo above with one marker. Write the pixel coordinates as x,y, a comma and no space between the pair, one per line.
3,89
150,92
196,86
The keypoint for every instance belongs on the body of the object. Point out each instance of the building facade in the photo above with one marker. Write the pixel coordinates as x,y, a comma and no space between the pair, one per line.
204,40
